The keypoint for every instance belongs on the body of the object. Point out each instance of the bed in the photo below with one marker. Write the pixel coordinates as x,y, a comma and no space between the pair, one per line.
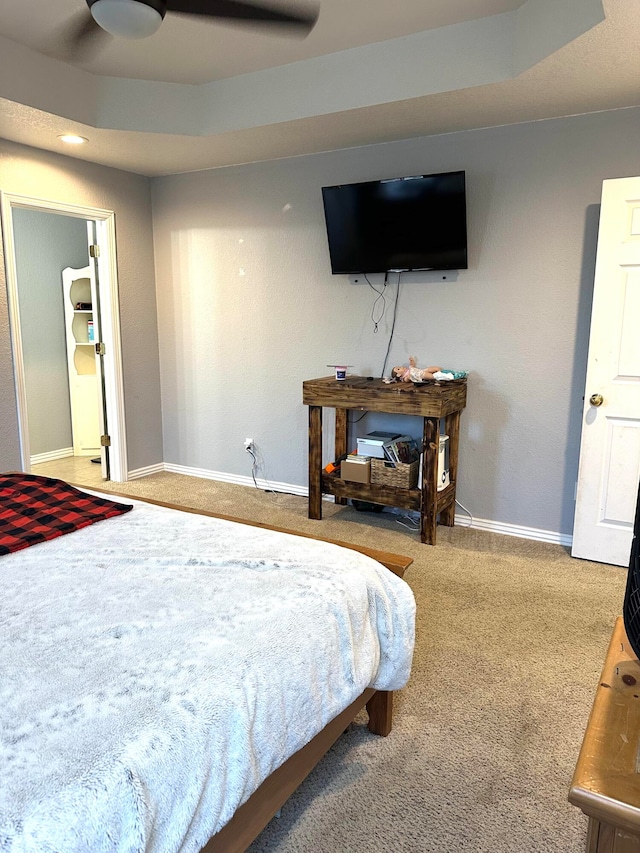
169,677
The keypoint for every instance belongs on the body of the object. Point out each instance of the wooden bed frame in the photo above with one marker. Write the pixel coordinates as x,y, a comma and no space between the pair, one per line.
252,817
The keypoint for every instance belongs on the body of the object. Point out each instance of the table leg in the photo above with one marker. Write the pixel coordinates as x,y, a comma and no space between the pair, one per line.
315,462
341,438
429,502
452,427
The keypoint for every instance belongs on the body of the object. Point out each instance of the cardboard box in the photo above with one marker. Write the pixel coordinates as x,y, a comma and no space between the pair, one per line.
356,472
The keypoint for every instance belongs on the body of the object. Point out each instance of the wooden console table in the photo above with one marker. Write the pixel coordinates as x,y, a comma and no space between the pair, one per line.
431,402
606,782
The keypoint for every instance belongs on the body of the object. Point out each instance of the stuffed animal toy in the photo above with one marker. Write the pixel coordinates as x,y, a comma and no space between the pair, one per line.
414,373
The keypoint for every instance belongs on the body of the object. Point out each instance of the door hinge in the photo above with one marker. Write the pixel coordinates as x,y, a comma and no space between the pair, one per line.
94,251
101,349
105,441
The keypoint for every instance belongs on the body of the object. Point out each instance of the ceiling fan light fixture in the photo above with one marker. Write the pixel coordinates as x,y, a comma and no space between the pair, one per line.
131,19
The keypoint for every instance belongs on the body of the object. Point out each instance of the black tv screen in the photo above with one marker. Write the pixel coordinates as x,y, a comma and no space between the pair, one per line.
413,223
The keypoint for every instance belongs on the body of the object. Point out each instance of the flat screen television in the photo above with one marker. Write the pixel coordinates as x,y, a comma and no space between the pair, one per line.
412,223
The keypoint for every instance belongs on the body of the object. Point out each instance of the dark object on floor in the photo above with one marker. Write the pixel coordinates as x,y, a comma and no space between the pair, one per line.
366,506
631,604
97,460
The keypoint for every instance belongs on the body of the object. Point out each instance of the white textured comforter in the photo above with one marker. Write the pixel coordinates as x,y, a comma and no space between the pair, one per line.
155,668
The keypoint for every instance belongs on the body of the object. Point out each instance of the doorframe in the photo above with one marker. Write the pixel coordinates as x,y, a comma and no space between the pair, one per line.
110,315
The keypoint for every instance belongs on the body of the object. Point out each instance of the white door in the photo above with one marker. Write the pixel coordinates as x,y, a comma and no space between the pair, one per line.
610,450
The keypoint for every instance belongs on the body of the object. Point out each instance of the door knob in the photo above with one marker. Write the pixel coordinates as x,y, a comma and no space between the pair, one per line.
596,400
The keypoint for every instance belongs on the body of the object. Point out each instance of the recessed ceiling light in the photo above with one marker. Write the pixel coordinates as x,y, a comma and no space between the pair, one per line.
72,139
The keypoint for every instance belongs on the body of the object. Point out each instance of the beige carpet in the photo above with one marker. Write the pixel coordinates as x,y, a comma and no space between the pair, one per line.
511,637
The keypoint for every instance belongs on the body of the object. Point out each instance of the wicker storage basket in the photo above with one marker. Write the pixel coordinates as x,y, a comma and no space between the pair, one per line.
402,476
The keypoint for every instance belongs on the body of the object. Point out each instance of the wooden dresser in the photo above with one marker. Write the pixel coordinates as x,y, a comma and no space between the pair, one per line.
606,782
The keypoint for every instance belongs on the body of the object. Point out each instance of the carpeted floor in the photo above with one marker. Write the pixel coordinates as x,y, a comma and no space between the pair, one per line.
511,638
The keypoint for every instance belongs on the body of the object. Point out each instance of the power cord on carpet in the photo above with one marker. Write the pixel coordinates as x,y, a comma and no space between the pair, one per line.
412,522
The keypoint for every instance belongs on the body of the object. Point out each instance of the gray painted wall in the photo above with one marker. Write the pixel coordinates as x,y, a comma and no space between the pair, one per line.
248,307
41,174
46,243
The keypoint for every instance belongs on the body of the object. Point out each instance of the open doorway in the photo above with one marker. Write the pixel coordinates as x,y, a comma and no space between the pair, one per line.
41,240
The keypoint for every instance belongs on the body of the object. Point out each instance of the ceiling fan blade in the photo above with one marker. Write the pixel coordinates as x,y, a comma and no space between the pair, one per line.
250,12
78,39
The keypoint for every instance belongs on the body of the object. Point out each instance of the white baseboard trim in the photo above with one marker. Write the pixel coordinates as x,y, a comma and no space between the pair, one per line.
51,456
237,479
158,468
522,532
501,527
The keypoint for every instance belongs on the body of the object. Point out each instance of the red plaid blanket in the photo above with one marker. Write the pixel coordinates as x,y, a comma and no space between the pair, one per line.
34,509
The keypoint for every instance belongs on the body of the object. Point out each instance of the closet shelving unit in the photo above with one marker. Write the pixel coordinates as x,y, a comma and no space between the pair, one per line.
81,361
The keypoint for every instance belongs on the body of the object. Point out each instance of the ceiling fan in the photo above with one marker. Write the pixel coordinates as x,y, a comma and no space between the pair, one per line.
136,19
